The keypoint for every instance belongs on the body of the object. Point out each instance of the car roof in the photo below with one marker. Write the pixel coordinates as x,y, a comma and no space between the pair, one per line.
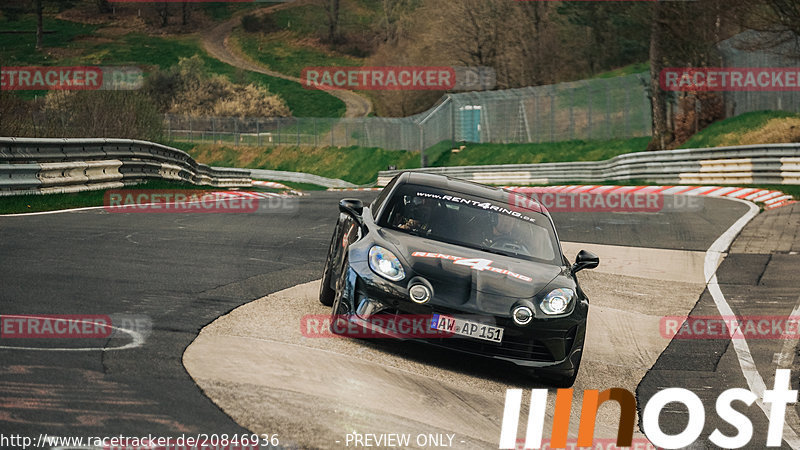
465,187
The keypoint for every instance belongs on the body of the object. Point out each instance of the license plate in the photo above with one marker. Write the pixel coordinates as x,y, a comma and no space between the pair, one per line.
461,327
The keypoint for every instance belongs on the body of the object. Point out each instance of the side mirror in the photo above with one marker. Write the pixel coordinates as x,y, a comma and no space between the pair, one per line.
351,206
585,260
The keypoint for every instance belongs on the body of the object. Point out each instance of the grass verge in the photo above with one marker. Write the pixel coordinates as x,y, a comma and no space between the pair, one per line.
281,54
358,165
758,127
303,186
442,155
30,203
74,44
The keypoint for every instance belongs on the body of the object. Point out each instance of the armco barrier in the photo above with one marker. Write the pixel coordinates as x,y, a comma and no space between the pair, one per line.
278,175
32,165
747,164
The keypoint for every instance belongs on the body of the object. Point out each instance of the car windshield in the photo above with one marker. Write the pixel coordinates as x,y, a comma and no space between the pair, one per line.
472,222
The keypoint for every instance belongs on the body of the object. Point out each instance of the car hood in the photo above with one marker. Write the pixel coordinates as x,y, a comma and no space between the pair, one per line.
461,275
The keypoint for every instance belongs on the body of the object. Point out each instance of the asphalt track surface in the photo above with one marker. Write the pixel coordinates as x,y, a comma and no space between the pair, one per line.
183,271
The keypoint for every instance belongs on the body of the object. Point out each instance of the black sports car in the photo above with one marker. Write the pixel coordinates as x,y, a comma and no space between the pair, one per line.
482,265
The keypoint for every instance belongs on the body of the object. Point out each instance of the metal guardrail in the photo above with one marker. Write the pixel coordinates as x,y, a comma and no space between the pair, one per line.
297,177
747,164
39,166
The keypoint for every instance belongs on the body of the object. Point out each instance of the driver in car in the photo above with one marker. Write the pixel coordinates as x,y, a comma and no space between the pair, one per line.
416,215
502,232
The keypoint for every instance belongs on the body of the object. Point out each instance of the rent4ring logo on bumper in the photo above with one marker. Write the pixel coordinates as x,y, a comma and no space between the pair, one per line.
777,398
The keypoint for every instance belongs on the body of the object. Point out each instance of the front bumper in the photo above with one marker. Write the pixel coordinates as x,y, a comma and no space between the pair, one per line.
551,344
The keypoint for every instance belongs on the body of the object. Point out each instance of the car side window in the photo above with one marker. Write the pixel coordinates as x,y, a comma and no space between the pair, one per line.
378,202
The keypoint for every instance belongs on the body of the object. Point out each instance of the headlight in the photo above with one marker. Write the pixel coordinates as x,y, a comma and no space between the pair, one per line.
384,263
557,301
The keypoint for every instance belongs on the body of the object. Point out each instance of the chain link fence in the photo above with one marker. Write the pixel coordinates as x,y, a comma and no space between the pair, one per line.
591,109
759,49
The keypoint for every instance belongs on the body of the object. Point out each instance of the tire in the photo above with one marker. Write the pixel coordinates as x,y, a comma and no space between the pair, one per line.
336,304
326,294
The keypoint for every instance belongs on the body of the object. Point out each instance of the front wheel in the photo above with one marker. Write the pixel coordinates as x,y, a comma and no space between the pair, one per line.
339,306
326,294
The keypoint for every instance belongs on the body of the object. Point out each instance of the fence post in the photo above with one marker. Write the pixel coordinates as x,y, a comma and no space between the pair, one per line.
627,113
278,132
589,110
552,118
191,134
647,112
258,132
214,130
608,110
421,146
316,136
572,113
536,125
169,127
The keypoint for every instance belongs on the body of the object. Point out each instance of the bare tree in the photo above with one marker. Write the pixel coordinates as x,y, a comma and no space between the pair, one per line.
185,13
39,24
103,6
658,36
332,10
163,12
393,14
787,14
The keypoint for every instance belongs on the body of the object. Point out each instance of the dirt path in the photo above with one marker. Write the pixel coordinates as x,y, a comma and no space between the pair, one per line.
217,43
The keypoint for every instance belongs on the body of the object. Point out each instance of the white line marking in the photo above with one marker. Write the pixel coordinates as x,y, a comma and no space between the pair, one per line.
785,360
221,197
136,341
754,380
